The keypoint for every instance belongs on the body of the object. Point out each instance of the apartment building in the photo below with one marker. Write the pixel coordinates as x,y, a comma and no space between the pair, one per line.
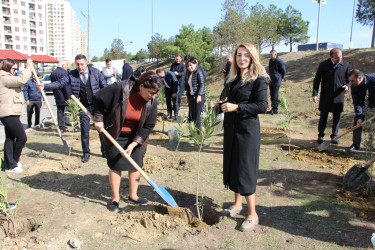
23,27
63,30
41,27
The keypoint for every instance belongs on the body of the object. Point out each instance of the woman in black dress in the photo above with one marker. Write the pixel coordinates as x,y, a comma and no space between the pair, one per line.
128,111
246,91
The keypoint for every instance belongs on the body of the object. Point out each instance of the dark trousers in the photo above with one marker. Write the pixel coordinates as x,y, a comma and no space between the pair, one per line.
357,134
172,103
15,140
195,110
34,105
180,92
62,118
274,93
323,123
85,131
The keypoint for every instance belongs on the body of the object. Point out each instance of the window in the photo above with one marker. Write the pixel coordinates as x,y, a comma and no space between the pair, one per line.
23,21
39,7
23,3
25,47
17,38
25,39
15,11
16,20
15,2
40,32
41,49
17,29
40,15
24,30
18,47
24,13
40,24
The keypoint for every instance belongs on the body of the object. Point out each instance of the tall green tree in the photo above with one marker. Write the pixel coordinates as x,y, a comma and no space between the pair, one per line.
274,18
141,54
196,43
117,49
231,30
261,26
293,28
156,46
365,15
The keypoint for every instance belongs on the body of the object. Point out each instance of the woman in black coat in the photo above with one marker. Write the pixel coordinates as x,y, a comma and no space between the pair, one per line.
246,93
195,90
128,111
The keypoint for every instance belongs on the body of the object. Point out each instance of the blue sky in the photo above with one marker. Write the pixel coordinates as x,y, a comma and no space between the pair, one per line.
132,20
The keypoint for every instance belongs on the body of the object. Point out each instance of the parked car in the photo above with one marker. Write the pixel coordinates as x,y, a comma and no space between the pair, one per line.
46,80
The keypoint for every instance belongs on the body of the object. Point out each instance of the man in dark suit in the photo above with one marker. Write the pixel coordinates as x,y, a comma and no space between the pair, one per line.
277,71
170,90
127,70
179,69
333,76
61,95
361,85
85,83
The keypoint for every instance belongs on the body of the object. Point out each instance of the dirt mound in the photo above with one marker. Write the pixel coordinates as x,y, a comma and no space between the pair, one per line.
149,222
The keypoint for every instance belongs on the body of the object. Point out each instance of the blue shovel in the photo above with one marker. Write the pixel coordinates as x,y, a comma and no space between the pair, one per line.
159,189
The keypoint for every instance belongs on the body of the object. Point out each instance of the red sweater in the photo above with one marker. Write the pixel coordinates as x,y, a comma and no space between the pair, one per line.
133,112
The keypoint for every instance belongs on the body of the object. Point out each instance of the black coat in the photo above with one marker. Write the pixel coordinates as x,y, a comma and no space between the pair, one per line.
61,95
127,71
242,134
197,80
332,81
277,71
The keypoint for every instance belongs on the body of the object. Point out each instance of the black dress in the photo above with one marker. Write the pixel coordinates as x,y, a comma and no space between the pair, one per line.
242,134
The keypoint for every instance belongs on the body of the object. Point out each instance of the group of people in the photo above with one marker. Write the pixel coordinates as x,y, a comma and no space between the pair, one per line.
334,78
184,76
127,109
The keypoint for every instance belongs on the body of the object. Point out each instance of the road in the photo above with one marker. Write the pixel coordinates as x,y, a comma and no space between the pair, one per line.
44,115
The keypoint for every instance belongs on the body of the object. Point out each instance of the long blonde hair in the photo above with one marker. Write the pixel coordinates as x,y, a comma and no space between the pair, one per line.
255,69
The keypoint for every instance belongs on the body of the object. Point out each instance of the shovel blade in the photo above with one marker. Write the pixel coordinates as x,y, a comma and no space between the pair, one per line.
355,178
163,193
323,146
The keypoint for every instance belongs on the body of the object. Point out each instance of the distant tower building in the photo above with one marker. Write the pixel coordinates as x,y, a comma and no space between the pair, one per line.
23,27
83,43
63,30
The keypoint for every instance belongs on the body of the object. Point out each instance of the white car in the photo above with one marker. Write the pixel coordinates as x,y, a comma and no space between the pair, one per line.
46,80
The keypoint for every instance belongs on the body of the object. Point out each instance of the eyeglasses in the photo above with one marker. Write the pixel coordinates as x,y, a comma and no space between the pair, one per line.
247,56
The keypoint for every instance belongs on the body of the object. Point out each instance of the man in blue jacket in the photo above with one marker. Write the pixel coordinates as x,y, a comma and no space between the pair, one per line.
179,69
171,89
33,99
361,84
277,71
85,83
61,95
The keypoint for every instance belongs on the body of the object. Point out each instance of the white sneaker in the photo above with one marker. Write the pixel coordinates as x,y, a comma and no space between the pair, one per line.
14,170
19,164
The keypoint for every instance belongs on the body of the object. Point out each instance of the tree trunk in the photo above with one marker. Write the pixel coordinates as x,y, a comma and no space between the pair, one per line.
290,44
373,34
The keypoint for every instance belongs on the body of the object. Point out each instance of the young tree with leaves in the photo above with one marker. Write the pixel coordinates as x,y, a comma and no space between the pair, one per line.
365,15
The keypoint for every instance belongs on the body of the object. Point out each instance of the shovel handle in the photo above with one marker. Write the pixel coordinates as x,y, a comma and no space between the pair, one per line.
354,128
114,142
47,103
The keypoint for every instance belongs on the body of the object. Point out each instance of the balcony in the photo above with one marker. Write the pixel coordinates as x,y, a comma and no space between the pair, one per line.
7,30
5,2
31,7
8,46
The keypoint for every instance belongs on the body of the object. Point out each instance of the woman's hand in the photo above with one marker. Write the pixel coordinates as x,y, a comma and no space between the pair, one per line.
199,99
130,148
99,126
29,63
229,107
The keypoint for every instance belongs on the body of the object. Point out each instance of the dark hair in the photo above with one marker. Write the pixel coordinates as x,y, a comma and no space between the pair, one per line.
192,59
334,51
159,71
149,80
138,72
356,72
273,51
80,56
107,60
187,57
90,65
7,64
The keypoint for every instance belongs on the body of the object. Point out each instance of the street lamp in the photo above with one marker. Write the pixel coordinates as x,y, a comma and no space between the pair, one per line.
317,33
